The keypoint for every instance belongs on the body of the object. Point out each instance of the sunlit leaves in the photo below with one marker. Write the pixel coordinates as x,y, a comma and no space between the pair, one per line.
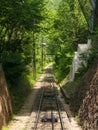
19,19
70,29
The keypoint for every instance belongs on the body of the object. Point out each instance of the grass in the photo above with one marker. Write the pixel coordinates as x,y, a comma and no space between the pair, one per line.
59,74
21,88
5,128
70,87
62,76
76,118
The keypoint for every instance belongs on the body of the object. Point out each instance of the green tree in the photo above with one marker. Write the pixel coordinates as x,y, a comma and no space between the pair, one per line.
17,20
19,26
70,28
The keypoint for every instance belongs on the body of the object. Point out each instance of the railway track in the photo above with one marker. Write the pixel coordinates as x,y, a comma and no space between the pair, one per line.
48,112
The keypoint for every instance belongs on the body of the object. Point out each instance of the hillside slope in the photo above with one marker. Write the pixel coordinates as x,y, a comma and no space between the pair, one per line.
86,97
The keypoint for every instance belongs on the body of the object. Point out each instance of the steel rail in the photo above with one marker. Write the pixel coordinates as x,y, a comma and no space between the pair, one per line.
40,105
58,107
39,108
52,111
52,120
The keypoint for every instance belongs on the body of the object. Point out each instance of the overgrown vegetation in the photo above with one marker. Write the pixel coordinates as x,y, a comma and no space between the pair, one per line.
24,25
19,30
73,87
70,28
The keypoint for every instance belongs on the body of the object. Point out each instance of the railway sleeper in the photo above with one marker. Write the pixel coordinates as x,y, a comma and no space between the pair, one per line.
48,108
49,119
49,95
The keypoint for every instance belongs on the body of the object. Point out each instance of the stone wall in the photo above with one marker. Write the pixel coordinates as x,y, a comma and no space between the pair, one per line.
86,97
5,101
88,111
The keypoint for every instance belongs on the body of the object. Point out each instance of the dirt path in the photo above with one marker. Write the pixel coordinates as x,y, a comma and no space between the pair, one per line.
21,120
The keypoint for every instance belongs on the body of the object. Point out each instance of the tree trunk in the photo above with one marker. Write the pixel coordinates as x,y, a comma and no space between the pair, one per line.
34,56
96,14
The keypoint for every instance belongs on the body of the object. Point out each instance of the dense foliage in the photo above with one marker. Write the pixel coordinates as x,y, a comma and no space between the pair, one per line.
25,24
19,21
19,27
69,29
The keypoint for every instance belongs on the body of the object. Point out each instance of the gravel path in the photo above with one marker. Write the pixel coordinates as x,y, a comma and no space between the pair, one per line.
21,120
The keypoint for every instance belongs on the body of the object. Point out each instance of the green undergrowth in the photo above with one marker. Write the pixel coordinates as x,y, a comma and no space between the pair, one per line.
5,128
20,88
70,87
59,74
18,92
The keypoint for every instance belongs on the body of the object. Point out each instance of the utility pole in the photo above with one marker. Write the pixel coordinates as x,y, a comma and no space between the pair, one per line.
34,57
43,45
96,13
92,17
91,21
42,58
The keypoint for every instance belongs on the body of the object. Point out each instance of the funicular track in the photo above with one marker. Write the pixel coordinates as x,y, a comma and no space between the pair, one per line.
49,113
